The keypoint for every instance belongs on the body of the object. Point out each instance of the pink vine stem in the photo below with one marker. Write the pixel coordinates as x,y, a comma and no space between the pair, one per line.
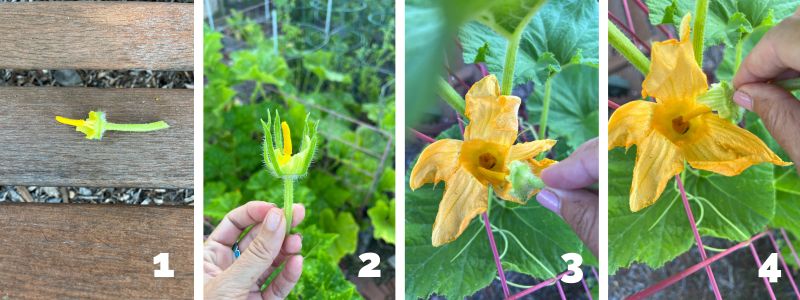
561,290
628,15
494,253
783,263
613,105
791,247
697,237
758,263
586,288
629,31
538,286
689,271
422,136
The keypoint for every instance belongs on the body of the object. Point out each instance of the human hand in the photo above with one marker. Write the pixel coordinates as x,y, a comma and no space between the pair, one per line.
263,250
567,192
776,57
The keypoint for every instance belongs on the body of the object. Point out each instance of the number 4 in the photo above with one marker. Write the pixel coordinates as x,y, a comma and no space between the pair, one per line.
770,268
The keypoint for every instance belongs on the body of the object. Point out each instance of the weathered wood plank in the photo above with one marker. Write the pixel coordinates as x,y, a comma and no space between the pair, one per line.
37,150
84,251
96,35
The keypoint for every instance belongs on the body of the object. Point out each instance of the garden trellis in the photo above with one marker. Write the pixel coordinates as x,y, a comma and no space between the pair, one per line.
713,196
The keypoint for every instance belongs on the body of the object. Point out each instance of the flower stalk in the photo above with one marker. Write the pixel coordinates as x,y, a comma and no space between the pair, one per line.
511,60
96,125
449,95
623,45
700,12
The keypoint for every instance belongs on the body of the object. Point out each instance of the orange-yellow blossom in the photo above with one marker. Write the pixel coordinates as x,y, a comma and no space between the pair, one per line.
676,128
468,167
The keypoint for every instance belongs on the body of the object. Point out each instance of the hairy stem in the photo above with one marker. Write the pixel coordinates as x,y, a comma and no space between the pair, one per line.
137,127
449,95
623,45
511,60
700,11
288,201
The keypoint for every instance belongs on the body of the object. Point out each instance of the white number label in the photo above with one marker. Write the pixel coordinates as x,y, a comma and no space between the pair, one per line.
575,267
770,268
369,269
162,260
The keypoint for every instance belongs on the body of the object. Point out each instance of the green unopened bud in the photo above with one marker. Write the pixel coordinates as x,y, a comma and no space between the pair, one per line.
278,147
523,181
720,99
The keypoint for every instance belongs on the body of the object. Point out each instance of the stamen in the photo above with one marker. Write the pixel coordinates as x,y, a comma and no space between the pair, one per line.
487,161
287,143
69,121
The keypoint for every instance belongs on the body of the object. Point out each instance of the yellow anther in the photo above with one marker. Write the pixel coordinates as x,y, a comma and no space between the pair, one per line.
69,121
287,144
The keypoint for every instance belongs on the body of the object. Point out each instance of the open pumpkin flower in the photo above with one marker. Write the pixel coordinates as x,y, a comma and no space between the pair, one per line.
468,167
677,128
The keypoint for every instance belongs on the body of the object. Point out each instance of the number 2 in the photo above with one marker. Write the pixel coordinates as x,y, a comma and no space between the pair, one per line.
770,268
575,267
162,259
369,269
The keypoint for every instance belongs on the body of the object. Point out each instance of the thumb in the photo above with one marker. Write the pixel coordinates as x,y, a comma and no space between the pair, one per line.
260,254
579,208
778,109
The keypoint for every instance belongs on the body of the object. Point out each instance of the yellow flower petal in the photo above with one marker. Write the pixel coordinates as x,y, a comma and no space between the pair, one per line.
674,75
529,149
486,161
630,123
464,198
437,162
724,148
492,117
657,160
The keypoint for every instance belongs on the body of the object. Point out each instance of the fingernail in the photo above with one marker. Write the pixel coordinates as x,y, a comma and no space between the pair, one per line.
273,219
743,100
550,201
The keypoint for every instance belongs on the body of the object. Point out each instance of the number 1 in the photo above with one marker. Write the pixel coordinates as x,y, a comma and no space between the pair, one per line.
162,259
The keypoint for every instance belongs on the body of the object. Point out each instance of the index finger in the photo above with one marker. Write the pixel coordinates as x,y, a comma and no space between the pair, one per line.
237,220
774,55
578,171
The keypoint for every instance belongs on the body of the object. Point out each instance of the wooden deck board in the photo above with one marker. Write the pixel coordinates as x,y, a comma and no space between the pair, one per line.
36,150
96,35
88,251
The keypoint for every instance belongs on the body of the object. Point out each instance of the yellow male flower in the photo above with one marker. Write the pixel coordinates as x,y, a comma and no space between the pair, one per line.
278,147
468,167
677,128
95,125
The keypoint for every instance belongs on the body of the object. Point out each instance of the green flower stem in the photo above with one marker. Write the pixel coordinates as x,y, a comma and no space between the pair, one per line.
288,201
511,60
700,12
450,96
137,127
624,46
545,111
790,84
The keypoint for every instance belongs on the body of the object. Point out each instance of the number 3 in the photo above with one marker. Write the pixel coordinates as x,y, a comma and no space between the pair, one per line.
575,267
369,269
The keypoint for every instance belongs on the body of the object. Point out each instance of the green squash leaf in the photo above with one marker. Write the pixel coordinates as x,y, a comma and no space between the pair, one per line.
508,16
573,114
256,65
319,62
530,238
732,208
560,34
728,20
382,217
321,275
344,225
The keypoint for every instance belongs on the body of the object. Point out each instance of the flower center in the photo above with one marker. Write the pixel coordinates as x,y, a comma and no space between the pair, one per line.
681,123
487,161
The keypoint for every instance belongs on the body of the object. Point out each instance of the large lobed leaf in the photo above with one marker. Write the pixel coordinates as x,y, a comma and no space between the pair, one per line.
732,208
573,115
561,33
533,245
727,20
